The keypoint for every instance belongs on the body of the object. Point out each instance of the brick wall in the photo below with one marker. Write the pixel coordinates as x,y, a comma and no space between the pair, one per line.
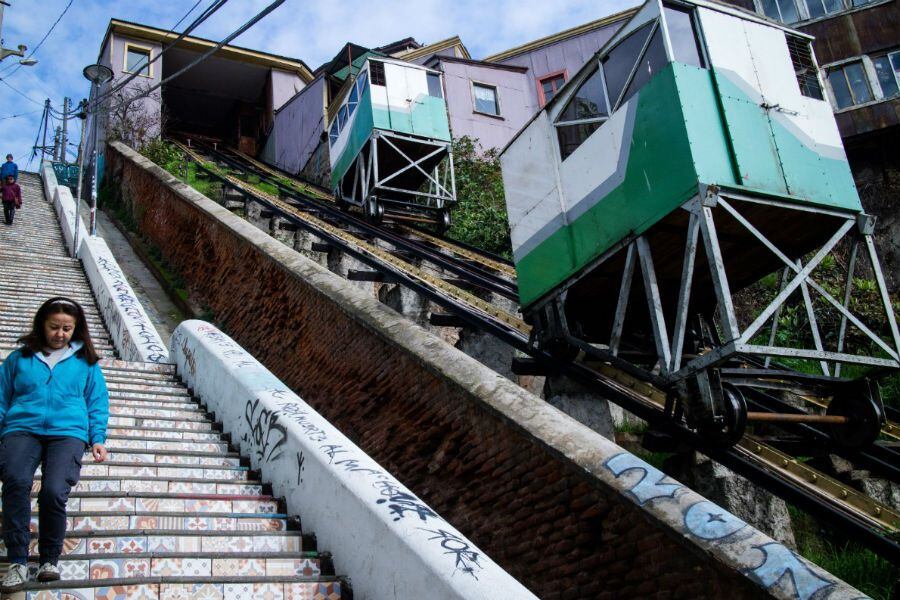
471,448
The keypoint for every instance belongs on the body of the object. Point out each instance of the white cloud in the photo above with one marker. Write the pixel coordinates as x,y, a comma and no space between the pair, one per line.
312,30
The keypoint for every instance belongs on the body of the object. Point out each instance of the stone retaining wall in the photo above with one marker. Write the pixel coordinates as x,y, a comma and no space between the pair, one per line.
564,510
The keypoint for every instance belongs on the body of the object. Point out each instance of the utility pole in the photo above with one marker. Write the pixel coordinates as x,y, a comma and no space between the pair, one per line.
65,133
56,139
46,121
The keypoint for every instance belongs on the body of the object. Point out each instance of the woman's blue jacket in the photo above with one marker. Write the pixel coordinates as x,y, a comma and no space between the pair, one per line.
70,400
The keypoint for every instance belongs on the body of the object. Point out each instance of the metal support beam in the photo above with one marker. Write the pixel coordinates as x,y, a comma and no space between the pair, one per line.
654,304
719,277
684,293
622,305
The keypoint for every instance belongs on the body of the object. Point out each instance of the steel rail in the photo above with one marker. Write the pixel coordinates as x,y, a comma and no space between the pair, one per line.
757,462
471,273
492,261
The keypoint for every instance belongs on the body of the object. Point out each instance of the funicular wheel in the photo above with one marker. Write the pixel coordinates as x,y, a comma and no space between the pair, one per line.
860,402
716,410
443,221
374,211
729,427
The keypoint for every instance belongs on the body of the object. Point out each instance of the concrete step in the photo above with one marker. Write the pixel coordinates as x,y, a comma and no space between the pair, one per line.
165,434
150,540
162,486
148,502
169,457
117,470
74,567
229,588
121,521
134,443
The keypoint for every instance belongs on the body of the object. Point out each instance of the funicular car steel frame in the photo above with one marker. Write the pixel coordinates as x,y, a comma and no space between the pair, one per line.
697,146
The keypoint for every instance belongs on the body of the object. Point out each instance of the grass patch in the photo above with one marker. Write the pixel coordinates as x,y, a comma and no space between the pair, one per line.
858,566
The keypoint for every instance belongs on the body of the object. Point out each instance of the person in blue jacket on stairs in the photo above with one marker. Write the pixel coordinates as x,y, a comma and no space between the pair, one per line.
53,406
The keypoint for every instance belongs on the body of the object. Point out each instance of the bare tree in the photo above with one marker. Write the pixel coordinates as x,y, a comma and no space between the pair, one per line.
135,116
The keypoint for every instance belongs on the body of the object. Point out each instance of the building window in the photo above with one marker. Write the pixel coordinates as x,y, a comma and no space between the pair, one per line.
849,84
781,10
820,8
434,85
377,73
887,68
549,85
804,67
137,60
683,36
486,100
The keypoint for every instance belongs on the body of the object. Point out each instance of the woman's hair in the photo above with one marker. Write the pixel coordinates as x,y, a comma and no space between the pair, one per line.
35,341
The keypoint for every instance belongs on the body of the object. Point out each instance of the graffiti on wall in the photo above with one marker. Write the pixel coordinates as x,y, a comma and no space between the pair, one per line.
770,563
145,336
275,413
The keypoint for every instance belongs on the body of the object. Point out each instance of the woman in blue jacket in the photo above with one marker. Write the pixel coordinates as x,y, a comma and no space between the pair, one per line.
53,405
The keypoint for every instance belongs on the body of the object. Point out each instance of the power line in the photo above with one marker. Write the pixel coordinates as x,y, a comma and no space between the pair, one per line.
208,12
24,95
19,115
43,39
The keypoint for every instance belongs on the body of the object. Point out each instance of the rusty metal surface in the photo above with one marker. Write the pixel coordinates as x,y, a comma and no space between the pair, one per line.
865,31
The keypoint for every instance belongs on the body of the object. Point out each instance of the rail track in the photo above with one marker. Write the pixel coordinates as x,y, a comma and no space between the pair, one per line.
760,458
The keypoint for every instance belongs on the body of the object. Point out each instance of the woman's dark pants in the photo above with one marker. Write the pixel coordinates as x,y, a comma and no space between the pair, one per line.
60,460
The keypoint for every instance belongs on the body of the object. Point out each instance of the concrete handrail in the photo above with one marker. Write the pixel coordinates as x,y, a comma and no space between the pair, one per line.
131,330
387,540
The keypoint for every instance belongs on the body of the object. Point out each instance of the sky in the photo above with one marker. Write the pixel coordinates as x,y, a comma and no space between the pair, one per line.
311,30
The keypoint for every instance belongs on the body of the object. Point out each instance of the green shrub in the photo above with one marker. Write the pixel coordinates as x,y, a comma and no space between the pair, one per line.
479,218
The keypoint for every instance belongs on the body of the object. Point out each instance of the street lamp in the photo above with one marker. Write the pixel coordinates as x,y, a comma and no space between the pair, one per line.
28,62
97,75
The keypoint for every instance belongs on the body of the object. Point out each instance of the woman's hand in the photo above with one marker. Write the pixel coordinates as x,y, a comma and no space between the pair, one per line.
100,453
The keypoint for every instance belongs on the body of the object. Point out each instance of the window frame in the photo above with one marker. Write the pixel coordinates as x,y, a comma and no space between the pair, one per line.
495,88
142,49
879,94
803,10
841,66
540,88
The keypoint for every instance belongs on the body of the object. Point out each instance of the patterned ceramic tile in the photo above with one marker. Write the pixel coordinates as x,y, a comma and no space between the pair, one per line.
276,543
192,487
289,567
253,524
107,504
131,545
244,567
68,594
100,485
237,489
101,545
72,545
195,591
160,505
224,543
176,459
128,592
120,568
255,506
145,485
129,471
73,569
207,506
181,567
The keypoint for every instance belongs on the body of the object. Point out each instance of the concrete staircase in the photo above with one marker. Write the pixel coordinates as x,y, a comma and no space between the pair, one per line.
173,513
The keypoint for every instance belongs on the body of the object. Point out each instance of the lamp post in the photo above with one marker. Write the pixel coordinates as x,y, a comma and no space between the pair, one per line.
82,114
97,75
4,52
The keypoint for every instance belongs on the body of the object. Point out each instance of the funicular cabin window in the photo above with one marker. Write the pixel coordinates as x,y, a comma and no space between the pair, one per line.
434,85
887,68
653,59
377,73
353,100
804,67
619,63
683,36
486,101
583,114
137,60
849,84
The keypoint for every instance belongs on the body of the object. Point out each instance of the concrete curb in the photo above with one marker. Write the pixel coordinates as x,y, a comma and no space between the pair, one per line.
371,523
129,327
